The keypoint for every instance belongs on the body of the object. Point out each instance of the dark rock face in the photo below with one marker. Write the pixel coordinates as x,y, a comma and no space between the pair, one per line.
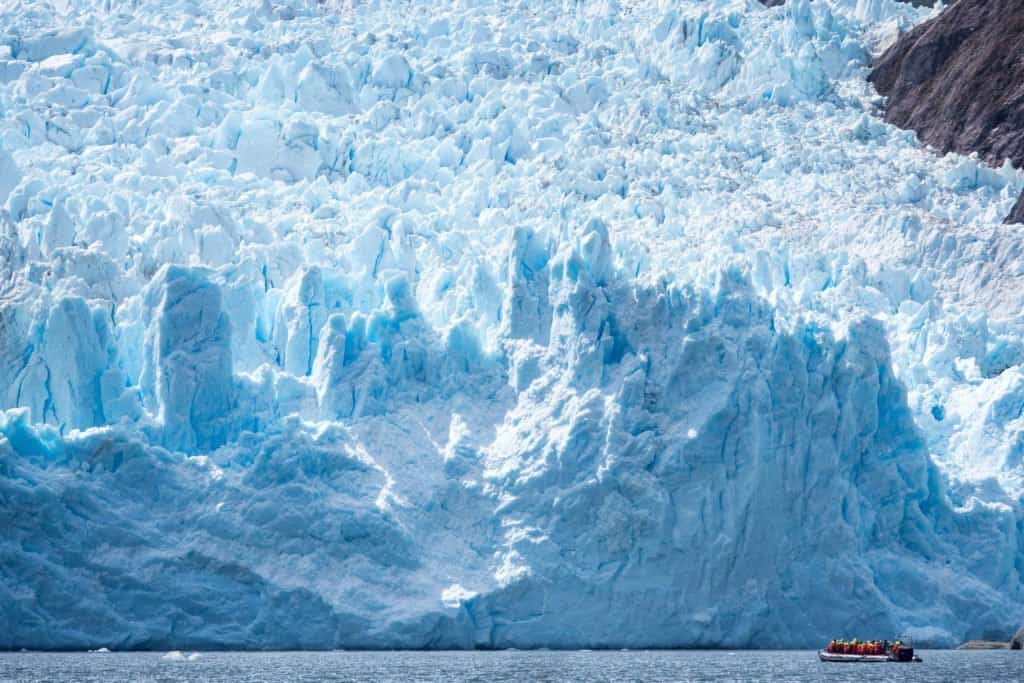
1017,216
922,3
958,80
915,3
1017,643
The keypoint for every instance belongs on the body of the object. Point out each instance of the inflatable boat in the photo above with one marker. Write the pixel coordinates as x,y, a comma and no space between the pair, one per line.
878,651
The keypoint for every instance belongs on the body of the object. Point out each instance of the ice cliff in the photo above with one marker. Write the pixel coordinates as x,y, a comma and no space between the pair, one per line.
486,325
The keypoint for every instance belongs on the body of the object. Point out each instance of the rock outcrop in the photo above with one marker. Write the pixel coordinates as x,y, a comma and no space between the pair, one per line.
1017,642
958,80
1017,213
984,645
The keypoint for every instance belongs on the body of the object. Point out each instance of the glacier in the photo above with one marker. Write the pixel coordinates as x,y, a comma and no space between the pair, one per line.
495,324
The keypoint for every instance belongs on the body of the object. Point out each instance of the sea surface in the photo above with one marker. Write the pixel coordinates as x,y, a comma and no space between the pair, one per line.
689,665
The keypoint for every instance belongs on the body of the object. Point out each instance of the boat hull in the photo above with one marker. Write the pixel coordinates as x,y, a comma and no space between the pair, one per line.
852,659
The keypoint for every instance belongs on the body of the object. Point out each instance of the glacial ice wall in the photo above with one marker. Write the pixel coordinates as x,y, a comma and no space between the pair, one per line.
514,324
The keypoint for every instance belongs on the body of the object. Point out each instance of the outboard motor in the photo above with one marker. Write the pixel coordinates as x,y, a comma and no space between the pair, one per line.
905,654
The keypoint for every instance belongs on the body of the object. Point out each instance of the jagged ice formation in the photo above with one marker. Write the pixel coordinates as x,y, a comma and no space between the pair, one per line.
486,325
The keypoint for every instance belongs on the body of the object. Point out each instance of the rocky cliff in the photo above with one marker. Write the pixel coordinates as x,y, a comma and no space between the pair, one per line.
958,80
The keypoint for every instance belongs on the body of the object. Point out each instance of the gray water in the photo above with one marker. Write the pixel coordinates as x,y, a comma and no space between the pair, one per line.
791,666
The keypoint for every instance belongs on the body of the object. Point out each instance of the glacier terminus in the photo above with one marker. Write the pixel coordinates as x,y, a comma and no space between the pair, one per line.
495,324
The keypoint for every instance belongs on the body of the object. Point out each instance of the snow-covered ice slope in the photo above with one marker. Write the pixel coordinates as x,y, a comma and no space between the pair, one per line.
495,324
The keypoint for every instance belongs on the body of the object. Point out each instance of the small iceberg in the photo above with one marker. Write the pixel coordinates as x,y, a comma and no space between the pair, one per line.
179,656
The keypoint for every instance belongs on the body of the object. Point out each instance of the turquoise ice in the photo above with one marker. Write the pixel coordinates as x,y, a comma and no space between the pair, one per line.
495,324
